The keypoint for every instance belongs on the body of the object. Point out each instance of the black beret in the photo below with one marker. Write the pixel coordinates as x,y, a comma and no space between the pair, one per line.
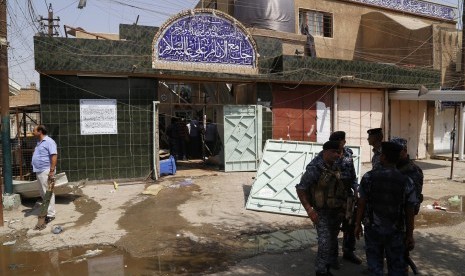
374,131
390,147
400,141
337,136
331,145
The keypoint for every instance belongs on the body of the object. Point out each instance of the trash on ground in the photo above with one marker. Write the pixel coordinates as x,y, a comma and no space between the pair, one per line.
153,189
454,201
83,257
9,242
57,229
438,207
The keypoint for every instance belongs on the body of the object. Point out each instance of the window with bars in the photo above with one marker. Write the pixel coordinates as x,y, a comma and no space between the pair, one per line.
316,23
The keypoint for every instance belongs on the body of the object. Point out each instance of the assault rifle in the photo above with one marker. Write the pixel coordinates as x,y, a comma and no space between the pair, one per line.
410,262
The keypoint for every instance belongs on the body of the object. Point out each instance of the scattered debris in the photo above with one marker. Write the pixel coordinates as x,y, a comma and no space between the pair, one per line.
438,207
455,200
9,242
153,189
57,229
83,257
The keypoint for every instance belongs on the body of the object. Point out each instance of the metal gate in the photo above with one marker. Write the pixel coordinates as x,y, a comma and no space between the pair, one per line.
242,137
281,168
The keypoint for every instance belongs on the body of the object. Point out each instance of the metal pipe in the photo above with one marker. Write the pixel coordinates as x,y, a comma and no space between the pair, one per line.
20,144
386,131
335,122
461,131
453,143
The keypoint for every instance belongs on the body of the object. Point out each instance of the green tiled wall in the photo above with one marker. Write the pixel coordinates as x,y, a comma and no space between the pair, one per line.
127,154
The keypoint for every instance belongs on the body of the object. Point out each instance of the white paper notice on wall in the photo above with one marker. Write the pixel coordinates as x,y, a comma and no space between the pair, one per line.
323,121
98,117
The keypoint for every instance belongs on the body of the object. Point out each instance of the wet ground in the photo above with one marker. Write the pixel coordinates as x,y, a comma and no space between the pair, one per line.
159,241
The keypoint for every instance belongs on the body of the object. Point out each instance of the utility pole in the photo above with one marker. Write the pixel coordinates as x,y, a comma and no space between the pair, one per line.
5,107
50,22
453,134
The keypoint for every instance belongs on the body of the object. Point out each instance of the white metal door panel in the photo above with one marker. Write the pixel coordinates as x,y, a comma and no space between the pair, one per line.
242,137
283,164
408,120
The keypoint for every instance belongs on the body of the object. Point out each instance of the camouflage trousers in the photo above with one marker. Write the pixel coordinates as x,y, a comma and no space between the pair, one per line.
378,244
327,229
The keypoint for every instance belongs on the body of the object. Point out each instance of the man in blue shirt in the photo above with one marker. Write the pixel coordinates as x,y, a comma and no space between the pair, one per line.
44,161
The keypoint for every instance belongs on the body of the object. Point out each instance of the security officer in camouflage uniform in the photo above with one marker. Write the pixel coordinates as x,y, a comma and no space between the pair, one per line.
375,137
386,204
349,177
323,195
410,169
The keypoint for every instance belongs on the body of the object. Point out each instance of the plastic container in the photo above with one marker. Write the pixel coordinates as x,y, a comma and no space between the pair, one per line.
168,166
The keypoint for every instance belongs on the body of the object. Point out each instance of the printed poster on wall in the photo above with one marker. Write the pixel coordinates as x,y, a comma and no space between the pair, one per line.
323,118
98,117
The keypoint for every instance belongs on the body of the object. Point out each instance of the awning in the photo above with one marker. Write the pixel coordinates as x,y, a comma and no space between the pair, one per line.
433,95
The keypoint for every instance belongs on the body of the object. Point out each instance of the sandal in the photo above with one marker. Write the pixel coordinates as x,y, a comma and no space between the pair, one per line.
48,219
41,224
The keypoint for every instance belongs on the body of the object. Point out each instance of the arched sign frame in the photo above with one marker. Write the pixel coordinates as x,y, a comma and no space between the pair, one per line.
190,49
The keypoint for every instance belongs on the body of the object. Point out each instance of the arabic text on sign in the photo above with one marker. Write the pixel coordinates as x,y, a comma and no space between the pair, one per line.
204,38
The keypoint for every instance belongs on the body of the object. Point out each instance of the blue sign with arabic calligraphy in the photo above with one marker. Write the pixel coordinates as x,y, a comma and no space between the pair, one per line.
415,6
205,38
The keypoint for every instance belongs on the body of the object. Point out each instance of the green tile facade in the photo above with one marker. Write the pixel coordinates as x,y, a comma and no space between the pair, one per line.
133,56
127,154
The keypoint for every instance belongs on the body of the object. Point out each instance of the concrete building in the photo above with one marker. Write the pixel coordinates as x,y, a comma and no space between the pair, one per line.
420,35
202,62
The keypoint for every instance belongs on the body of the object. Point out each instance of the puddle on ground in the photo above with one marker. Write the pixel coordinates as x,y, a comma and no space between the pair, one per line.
277,242
190,257
453,212
101,261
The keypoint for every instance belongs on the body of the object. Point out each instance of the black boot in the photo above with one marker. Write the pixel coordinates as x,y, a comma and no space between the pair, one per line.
351,257
327,273
324,273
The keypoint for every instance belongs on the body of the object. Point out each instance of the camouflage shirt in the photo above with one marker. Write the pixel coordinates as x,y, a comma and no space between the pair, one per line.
347,168
376,177
313,172
410,169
